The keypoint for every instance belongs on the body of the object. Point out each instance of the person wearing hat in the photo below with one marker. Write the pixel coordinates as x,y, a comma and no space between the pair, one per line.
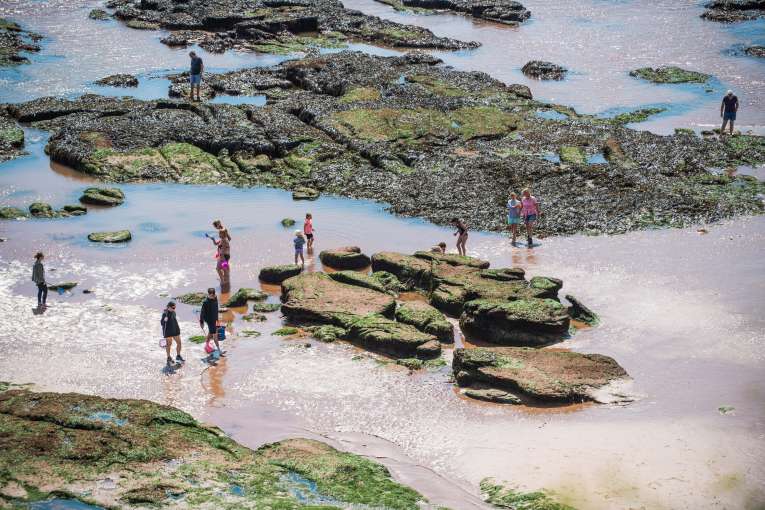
728,110
171,331
298,242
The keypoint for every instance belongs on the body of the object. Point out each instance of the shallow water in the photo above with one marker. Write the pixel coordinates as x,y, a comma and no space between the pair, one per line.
681,309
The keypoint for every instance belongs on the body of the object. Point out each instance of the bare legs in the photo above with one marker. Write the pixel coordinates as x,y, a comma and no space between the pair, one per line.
169,344
514,230
461,240
299,255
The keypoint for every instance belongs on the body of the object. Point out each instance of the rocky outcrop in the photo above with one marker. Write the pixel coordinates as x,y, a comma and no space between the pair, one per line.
242,296
508,12
540,375
544,70
119,236
103,196
360,279
277,274
756,51
281,27
118,80
93,441
519,322
11,138
730,11
380,127
98,14
192,298
41,210
14,41
669,74
345,257
12,213
425,318
579,312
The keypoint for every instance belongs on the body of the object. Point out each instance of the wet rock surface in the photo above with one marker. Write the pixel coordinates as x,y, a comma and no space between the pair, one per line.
544,70
507,12
103,196
756,51
669,74
519,322
118,236
273,27
11,138
118,80
242,296
71,445
346,257
734,10
14,41
277,274
402,130
425,318
538,375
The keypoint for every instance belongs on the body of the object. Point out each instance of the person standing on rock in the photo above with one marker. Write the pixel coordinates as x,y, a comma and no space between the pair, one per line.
208,315
38,276
462,235
195,75
530,211
308,231
171,331
514,207
728,109
298,242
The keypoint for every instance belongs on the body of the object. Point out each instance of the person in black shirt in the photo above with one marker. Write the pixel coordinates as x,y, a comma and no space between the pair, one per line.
209,315
171,331
195,74
728,109
462,235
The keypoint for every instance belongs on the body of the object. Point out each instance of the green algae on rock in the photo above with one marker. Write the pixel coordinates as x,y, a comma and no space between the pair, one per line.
266,307
242,296
103,196
502,496
346,257
192,298
357,278
638,115
669,74
41,210
579,312
519,322
541,375
277,274
12,213
287,222
118,236
286,331
13,41
11,139
62,286
425,318
160,454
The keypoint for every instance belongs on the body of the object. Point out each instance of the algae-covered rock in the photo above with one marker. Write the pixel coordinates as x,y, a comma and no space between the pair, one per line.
669,74
75,210
578,311
388,281
103,196
287,222
572,155
266,307
504,274
379,333
360,279
755,51
118,80
192,298
328,333
98,14
453,259
315,297
537,374
425,318
304,193
58,444
286,331
12,213
346,257
520,322
242,296
544,70
548,286
62,286
118,236
277,274
492,395
41,210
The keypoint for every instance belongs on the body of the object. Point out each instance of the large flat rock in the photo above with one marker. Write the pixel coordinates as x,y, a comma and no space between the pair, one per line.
531,321
540,374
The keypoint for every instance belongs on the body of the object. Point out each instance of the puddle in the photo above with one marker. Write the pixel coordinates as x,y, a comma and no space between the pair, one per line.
62,504
552,157
107,417
596,159
550,115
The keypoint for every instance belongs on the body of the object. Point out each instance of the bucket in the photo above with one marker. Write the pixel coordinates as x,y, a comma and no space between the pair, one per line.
221,332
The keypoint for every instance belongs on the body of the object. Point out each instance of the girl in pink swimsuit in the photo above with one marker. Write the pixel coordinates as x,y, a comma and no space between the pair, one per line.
530,210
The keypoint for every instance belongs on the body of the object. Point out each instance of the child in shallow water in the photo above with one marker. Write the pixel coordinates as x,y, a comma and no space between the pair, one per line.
299,242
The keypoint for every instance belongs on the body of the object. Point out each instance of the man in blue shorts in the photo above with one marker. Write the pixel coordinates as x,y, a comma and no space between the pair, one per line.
195,74
728,110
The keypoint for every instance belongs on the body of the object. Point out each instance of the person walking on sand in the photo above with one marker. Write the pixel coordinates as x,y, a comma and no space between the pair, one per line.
530,211
208,315
514,215
195,75
38,276
308,231
171,331
462,235
728,109
298,242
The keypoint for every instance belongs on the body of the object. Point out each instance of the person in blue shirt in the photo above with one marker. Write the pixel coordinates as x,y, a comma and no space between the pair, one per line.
299,242
195,74
514,215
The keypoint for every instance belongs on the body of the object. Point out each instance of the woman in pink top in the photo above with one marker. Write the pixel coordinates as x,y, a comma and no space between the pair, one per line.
308,231
529,211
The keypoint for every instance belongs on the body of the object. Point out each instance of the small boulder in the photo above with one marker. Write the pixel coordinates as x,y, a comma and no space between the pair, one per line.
118,236
103,196
549,287
519,90
12,213
98,14
242,296
756,51
530,321
669,74
304,193
288,222
118,80
329,333
453,259
266,307
62,286
277,274
579,312
504,274
75,210
346,257
492,395
540,375
544,70
41,210
192,298
425,318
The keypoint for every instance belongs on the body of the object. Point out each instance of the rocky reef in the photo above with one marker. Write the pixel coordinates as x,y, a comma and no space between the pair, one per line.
14,40
508,12
756,51
425,139
77,450
11,138
118,80
669,74
544,70
734,10
272,26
